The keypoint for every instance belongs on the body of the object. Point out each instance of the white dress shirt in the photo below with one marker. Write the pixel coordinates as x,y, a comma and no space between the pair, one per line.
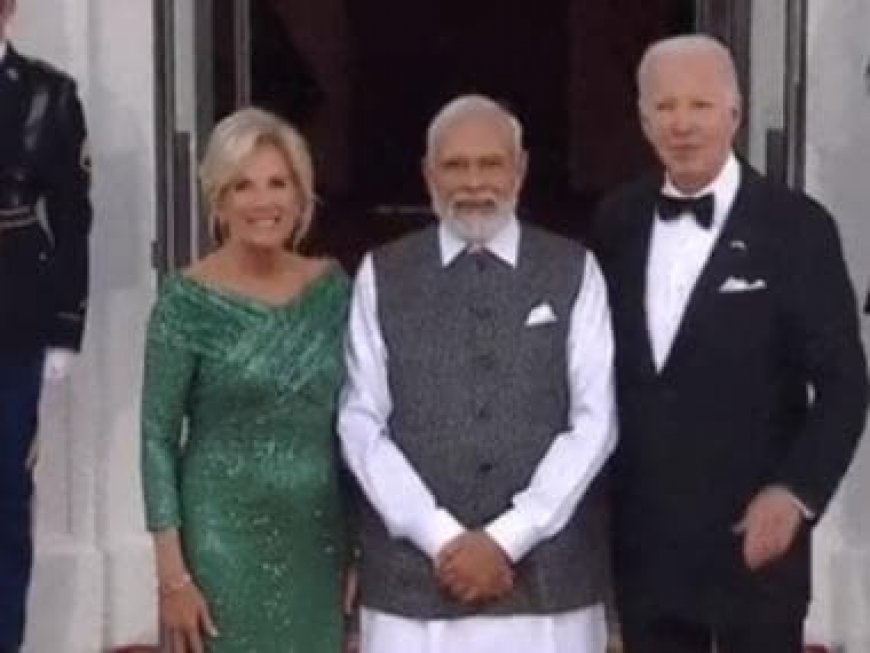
541,510
678,251
3,48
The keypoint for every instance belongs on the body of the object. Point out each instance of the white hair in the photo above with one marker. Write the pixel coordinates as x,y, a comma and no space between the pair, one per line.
468,105
689,44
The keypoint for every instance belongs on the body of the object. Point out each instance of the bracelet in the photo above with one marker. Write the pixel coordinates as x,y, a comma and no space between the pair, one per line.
174,586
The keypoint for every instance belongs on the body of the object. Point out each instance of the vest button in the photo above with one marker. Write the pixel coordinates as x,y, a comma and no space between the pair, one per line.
485,468
485,361
482,312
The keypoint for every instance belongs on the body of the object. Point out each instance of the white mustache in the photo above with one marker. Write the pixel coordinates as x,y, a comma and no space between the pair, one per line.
480,201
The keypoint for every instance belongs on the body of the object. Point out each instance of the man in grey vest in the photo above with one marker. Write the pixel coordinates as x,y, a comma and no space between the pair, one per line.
477,413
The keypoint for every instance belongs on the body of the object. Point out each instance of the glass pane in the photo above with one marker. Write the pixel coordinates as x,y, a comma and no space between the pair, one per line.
765,114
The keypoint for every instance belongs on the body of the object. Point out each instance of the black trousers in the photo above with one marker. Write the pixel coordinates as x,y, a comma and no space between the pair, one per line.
675,635
20,384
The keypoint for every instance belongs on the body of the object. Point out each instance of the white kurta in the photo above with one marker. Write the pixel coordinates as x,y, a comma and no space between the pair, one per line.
581,631
541,510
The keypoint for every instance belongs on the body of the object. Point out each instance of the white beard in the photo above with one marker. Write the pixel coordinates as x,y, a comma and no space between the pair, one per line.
476,227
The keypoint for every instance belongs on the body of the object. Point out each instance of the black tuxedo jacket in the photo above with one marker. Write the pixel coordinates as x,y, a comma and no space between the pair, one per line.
766,386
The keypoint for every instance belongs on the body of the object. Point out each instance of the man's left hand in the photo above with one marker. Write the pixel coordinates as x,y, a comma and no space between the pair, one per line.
474,568
769,526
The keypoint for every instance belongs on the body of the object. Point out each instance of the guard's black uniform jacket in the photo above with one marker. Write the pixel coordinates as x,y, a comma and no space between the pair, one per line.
45,213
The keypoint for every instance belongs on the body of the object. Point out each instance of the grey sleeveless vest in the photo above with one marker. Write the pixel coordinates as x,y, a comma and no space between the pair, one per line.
478,397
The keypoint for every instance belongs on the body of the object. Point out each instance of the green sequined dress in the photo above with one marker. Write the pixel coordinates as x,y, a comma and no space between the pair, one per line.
239,453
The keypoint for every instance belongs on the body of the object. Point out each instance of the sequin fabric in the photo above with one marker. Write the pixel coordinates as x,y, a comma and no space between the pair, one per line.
239,452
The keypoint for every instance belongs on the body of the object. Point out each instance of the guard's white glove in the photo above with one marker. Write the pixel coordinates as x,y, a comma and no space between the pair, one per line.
57,364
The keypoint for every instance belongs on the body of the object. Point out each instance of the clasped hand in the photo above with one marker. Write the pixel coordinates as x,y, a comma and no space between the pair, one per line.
473,568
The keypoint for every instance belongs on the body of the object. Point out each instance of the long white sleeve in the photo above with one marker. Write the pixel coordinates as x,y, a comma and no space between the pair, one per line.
389,481
576,456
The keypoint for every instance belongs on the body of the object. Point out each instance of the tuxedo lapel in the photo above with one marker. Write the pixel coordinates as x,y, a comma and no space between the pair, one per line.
732,244
633,287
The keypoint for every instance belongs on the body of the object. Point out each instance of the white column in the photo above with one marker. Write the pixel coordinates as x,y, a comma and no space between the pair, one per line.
123,56
93,582
837,173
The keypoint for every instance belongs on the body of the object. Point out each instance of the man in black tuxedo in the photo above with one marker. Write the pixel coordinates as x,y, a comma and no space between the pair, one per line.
45,217
742,383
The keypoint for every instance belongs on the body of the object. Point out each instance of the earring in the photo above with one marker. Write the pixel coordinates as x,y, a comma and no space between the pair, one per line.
217,228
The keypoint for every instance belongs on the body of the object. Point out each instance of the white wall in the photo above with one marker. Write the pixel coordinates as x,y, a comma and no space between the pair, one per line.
838,174
93,583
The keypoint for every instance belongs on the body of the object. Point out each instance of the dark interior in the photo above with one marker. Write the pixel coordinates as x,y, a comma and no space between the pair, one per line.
362,78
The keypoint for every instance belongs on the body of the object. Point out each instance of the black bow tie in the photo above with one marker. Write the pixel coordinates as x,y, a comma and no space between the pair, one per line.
670,208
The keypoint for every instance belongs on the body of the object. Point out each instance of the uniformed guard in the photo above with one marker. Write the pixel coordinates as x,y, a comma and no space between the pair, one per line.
45,218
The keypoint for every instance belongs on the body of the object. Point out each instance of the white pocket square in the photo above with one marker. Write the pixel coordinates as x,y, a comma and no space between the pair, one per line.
735,284
540,314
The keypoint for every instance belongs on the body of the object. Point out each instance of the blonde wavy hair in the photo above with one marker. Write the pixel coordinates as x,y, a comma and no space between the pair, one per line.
233,140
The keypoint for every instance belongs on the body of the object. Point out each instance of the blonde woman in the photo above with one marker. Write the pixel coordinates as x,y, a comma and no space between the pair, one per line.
242,369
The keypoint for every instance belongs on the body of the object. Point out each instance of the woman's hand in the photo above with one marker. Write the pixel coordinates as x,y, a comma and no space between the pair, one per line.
185,615
183,610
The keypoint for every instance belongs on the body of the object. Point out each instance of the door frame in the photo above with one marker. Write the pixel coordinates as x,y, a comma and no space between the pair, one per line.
181,232
731,22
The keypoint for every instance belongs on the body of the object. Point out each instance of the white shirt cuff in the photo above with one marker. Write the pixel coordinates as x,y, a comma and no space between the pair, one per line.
432,533
801,506
511,532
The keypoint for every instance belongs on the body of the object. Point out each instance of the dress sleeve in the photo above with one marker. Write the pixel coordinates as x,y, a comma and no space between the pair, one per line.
169,373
